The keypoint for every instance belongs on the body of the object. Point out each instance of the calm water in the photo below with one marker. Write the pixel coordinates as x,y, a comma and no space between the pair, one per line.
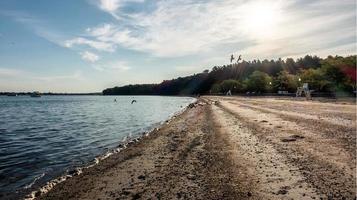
41,138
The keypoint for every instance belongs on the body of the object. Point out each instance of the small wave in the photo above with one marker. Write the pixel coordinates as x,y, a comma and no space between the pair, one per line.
34,181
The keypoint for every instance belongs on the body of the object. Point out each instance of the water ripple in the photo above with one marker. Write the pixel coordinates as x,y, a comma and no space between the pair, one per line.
41,138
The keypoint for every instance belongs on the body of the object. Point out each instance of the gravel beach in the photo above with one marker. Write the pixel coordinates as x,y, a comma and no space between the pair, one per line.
233,148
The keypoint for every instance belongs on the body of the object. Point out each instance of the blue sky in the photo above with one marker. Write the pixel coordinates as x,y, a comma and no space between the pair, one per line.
89,45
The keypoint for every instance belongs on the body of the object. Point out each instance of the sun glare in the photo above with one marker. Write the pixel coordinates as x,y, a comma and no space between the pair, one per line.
260,19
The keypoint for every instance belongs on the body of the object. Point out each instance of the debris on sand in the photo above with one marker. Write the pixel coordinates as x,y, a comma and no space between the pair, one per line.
297,136
141,177
192,105
292,138
283,190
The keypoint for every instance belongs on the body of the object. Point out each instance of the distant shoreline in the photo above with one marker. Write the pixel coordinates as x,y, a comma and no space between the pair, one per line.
276,95
48,94
91,94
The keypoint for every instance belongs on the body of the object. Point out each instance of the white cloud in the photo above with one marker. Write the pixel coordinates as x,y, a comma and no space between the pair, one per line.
112,6
109,5
178,28
186,27
98,45
112,66
175,28
89,56
102,30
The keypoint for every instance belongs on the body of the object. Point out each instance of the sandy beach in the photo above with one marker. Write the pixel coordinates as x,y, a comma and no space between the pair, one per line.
233,148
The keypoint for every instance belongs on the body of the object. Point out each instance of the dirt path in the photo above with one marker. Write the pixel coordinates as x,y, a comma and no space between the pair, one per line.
321,151
234,149
274,177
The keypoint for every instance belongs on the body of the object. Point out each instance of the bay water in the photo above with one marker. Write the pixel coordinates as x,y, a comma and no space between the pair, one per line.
42,138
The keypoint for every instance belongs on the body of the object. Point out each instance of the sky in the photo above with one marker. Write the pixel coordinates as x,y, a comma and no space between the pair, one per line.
90,45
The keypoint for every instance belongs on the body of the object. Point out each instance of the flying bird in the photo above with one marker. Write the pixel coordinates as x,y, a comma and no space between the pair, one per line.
232,58
239,58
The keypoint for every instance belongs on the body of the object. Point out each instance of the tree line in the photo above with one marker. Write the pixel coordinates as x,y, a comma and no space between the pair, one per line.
332,75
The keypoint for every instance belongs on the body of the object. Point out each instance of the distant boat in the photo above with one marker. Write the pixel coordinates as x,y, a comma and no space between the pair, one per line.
12,94
35,94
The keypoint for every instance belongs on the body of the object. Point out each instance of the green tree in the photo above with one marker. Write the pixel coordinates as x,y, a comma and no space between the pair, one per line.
285,81
315,78
216,88
332,69
258,82
290,65
231,84
339,71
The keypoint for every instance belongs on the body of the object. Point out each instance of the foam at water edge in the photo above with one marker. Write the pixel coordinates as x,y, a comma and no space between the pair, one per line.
34,181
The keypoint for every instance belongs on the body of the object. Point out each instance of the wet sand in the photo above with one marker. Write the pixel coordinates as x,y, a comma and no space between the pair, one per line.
233,148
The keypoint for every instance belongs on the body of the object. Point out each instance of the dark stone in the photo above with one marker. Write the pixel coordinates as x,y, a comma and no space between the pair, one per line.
297,136
288,140
136,196
141,177
292,138
282,191
37,194
73,172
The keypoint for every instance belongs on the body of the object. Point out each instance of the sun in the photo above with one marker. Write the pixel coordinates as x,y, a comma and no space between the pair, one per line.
261,16
260,19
